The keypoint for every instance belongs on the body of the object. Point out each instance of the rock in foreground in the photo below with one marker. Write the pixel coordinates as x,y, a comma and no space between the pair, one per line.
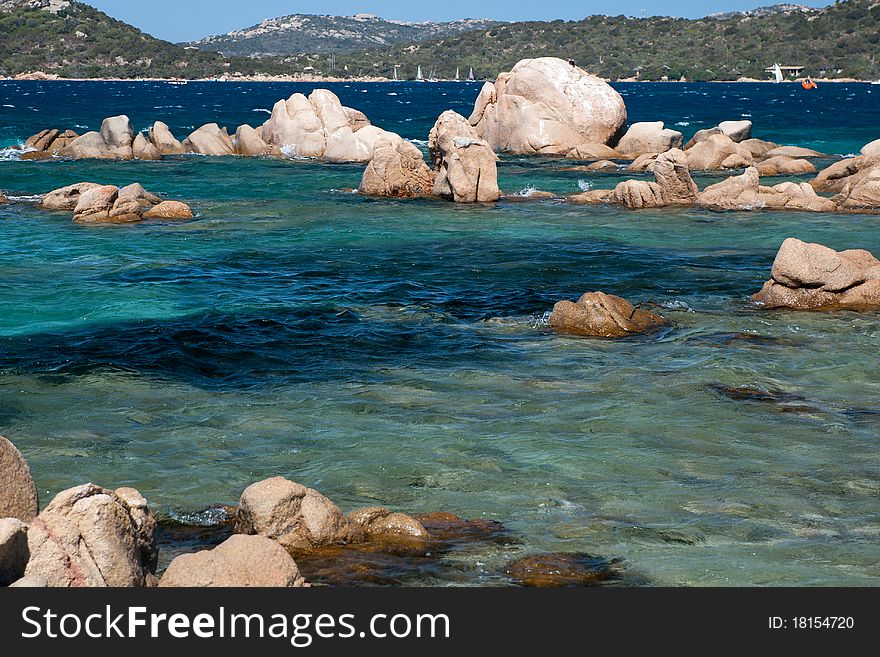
466,166
600,315
14,551
547,106
89,536
241,561
809,276
397,170
18,493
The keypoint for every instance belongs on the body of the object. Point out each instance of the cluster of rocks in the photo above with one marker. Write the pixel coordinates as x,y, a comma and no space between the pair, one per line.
92,203
464,170
89,536
809,276
600,315
317,126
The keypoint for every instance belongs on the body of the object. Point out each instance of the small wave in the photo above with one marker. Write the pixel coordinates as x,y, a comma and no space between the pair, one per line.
12,106
674,305
683,123
27,198
526,191
10,154
543,320
262,109
419,142
393,93
585,185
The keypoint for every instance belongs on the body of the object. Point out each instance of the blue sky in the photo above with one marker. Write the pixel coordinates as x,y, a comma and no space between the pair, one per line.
184,20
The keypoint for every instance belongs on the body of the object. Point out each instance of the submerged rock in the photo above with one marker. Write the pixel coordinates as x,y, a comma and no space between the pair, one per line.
601,315
14,551
240,561
809,276
169,210
547,106
18,493
649,137
397,170
466,166
378,523
557,570
89,536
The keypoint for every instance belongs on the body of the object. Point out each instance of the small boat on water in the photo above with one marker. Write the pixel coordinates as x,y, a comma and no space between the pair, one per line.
419,76
471,77
457,75
809,83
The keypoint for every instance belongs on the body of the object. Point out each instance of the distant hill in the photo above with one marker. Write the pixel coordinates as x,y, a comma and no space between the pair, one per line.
763,11
305,33
842,40
72,39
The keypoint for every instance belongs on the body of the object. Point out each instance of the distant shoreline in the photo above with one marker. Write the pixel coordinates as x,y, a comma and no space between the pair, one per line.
42,77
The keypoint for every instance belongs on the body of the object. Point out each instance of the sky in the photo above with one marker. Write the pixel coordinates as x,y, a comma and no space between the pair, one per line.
187,20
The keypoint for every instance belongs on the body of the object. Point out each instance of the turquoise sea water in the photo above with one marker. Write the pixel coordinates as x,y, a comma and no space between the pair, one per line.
393,352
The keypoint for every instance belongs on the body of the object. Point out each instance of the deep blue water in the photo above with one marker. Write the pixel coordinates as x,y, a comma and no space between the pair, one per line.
393,352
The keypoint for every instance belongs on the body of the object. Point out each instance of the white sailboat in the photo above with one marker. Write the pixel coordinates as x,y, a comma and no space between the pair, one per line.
471,77
419,76
395,73
457,75
777,72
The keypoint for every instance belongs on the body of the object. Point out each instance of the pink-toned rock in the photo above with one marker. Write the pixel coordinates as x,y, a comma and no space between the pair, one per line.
378,523
848,172
66,198
593,152
745,192
89,536
299,518
466,167
648,137
673,185
863,194
18,494
356,119
142,149
592,197
809,276
397,170
547,106
210,139
169,210
871,148
602,165
718,151
793,151
164,141
601,315
248,142
757,147
239,562
781,165
14,551
644,162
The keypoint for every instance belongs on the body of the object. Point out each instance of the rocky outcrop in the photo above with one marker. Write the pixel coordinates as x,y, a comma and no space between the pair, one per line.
592,197
356,119
745,192
737,131
239,562
673,185
89,536
547,106
3,198
397,170
648,137
92,203
863,194
466,166
593,152
757,147
718,151
66,198
112,142
600,315
845,173
378,523
14,551
793,151
297,517
169,210
47,143
643,162
248,142
320,127
809,276
210,139
164,141
18,493
142,149
871,148
782,165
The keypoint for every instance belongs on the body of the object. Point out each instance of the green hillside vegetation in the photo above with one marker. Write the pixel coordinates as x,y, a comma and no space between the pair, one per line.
839,41
842,40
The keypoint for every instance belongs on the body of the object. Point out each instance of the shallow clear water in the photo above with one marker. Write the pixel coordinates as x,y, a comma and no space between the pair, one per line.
393,352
